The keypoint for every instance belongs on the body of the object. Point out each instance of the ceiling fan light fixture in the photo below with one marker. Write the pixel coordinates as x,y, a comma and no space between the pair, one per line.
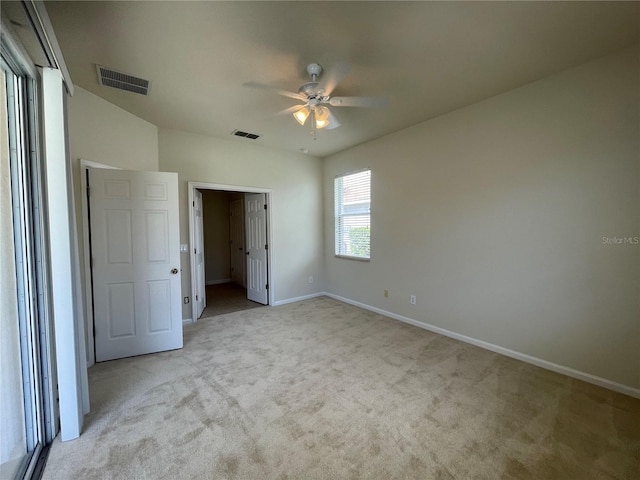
322,116
301,115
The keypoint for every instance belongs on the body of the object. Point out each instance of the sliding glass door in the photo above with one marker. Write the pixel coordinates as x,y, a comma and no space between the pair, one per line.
27,419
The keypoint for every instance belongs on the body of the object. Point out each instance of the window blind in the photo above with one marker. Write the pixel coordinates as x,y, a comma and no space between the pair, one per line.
352,193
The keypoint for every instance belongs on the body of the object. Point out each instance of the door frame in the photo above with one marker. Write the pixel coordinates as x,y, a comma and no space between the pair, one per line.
88,286
192,186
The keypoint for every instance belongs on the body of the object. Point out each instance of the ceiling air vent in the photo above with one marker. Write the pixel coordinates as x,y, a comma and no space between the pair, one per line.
240,133
123,81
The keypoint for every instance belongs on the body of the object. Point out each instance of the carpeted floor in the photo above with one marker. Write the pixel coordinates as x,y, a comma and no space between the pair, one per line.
324,390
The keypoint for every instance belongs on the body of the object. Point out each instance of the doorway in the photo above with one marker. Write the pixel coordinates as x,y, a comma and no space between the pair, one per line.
225,273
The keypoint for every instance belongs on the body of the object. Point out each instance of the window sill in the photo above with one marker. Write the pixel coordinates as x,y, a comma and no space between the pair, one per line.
358,259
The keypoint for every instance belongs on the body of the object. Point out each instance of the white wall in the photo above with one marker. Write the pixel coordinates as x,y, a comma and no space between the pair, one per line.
296,201
217,252
494,217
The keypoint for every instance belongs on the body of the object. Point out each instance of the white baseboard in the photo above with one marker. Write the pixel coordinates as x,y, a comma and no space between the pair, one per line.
187,321
217,282
298,299
554,367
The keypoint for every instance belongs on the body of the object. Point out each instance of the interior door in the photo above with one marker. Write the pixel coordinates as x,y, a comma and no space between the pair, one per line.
236,242
201,293
256,251
135,253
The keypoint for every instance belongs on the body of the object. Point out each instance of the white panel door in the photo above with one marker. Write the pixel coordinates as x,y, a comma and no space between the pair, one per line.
256,250
135,249
201,295
236,242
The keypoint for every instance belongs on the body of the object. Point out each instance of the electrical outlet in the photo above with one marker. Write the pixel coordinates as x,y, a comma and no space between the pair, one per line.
412,299
185,300
386,294
310,278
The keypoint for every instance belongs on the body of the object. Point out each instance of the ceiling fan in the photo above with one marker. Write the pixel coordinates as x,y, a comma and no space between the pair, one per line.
316,97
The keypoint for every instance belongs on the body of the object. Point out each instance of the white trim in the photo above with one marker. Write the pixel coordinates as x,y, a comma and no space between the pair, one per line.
187,321
299,299
192,186
88,290
39,17
12,44
554,367
228,188
70,355
218,282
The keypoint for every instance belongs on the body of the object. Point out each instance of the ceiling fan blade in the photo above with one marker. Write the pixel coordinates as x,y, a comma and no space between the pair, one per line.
333,76
290,110
285,93
374,102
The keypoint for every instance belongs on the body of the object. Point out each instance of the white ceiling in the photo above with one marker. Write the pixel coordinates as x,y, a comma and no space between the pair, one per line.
428,58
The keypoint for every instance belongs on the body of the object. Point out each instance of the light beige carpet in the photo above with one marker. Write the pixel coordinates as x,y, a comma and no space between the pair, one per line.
323,390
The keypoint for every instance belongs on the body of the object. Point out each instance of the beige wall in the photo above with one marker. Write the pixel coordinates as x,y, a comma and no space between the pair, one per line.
296,201
102,132
217,252
494,217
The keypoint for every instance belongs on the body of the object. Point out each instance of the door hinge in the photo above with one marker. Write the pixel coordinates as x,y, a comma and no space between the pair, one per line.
196,298
265,206
266,286
88,191
194,251
266,247
194,203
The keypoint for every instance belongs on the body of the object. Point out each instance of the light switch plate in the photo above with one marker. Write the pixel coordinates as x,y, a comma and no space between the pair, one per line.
184,248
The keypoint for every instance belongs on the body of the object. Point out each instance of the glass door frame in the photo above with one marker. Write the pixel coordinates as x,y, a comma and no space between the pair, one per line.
30,248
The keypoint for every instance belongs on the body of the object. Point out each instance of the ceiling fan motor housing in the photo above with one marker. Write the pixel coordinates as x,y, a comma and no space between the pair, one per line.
314,70
309,90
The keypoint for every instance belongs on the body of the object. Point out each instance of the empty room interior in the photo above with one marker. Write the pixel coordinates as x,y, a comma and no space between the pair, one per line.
320,240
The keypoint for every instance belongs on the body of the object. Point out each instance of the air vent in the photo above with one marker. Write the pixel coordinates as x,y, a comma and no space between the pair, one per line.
240,133
122,81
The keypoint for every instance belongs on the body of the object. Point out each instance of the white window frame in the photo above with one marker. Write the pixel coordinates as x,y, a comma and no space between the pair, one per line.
339,215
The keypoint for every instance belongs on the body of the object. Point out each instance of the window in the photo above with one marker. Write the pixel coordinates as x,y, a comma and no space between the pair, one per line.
352,193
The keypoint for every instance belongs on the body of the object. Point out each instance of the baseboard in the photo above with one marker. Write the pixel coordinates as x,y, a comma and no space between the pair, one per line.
187,321
217,282
298,299
554,367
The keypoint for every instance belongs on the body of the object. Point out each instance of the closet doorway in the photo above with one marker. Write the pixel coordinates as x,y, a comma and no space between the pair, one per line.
229,248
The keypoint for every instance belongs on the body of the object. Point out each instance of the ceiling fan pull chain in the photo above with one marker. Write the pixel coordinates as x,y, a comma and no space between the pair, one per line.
313,124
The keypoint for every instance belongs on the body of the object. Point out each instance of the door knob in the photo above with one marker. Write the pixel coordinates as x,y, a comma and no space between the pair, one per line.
174,270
